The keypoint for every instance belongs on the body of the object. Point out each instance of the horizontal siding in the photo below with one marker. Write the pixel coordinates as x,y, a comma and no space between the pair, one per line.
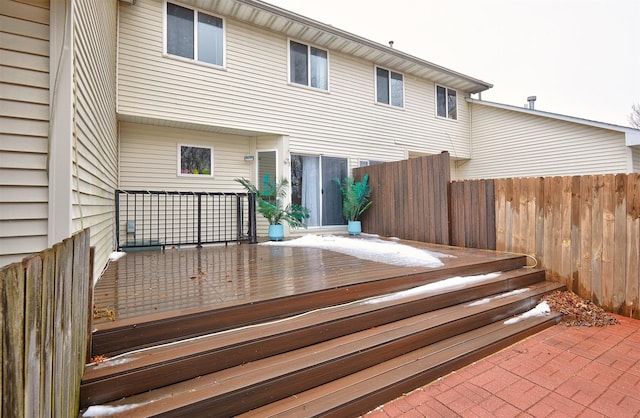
23,210
24,125
512,144
252,93
149,159
22,227
635,156
14,249
96,146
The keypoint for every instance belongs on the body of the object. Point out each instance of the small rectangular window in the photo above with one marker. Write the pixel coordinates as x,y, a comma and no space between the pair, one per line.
446,103
195,161
389,87
308,66
203,41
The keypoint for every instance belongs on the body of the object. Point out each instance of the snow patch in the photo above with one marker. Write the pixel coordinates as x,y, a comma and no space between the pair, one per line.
541,309
480,302
116,255
111,362
102,410
500,296
368,249
457,282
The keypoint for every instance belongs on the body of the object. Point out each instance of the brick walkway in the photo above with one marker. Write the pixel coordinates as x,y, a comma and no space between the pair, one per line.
560,372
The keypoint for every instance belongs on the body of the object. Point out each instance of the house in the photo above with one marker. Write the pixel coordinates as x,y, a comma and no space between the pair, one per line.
511,141
133,94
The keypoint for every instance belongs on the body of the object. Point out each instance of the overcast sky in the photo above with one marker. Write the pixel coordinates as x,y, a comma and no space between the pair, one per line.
579,57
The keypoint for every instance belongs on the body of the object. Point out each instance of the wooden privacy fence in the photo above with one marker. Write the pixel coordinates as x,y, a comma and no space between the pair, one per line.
410,198
44,308
584,231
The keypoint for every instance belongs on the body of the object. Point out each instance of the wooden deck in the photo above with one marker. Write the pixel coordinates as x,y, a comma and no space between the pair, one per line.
197,291
154,285
296,323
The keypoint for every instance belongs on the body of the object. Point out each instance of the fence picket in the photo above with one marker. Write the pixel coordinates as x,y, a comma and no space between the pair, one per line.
33,335
565,229
608,241
13,341
633,247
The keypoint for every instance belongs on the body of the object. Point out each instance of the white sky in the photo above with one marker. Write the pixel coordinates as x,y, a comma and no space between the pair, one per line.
579,57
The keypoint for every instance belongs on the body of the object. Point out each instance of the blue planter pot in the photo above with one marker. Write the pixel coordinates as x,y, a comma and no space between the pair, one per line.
354,227
276,232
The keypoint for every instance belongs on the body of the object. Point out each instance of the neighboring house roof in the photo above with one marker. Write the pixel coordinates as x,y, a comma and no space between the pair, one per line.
320,34
632,136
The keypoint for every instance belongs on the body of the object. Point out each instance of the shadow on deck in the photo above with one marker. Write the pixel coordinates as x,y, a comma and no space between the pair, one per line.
296,331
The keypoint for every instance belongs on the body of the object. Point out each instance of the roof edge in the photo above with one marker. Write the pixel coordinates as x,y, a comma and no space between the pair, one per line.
603,125
481,85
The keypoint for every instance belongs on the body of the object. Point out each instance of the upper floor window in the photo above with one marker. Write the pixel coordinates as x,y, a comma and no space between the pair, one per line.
194,35
308,66
389,87
447,103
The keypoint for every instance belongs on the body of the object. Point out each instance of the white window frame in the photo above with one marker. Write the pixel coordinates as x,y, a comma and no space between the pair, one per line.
258,180
375,93
198,175
308,85
446,104
195,36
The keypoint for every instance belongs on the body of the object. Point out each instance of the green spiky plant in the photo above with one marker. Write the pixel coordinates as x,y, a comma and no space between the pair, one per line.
269,202
355,197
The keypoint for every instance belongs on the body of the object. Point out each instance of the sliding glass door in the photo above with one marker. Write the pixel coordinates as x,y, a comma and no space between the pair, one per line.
313,186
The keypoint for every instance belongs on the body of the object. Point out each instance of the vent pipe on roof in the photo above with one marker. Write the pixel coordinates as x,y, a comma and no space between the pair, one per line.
531,100
390,44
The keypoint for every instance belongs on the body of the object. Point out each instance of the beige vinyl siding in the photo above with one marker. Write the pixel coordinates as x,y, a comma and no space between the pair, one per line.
635,156
252,93
149,159
513,144
24,116
95,172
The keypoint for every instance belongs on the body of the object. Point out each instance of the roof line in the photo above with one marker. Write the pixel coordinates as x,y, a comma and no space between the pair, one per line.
483,85
597,124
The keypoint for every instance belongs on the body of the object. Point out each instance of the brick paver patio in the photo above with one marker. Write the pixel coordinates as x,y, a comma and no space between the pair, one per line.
560,372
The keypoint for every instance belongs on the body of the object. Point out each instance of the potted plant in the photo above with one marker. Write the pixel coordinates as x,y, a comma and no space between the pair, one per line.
355,200
269,203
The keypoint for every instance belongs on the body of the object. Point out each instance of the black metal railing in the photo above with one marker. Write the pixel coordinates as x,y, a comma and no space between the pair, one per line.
156,219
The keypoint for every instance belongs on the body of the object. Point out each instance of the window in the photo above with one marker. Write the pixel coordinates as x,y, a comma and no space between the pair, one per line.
366,163
194,35
447,103
389,87
308,66
195,161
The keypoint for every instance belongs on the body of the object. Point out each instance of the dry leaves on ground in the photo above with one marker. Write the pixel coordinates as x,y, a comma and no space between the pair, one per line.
104,313
578,311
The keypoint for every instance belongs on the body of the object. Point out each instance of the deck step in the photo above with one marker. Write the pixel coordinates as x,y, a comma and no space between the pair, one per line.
243,387
112,339
158,366
361,392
